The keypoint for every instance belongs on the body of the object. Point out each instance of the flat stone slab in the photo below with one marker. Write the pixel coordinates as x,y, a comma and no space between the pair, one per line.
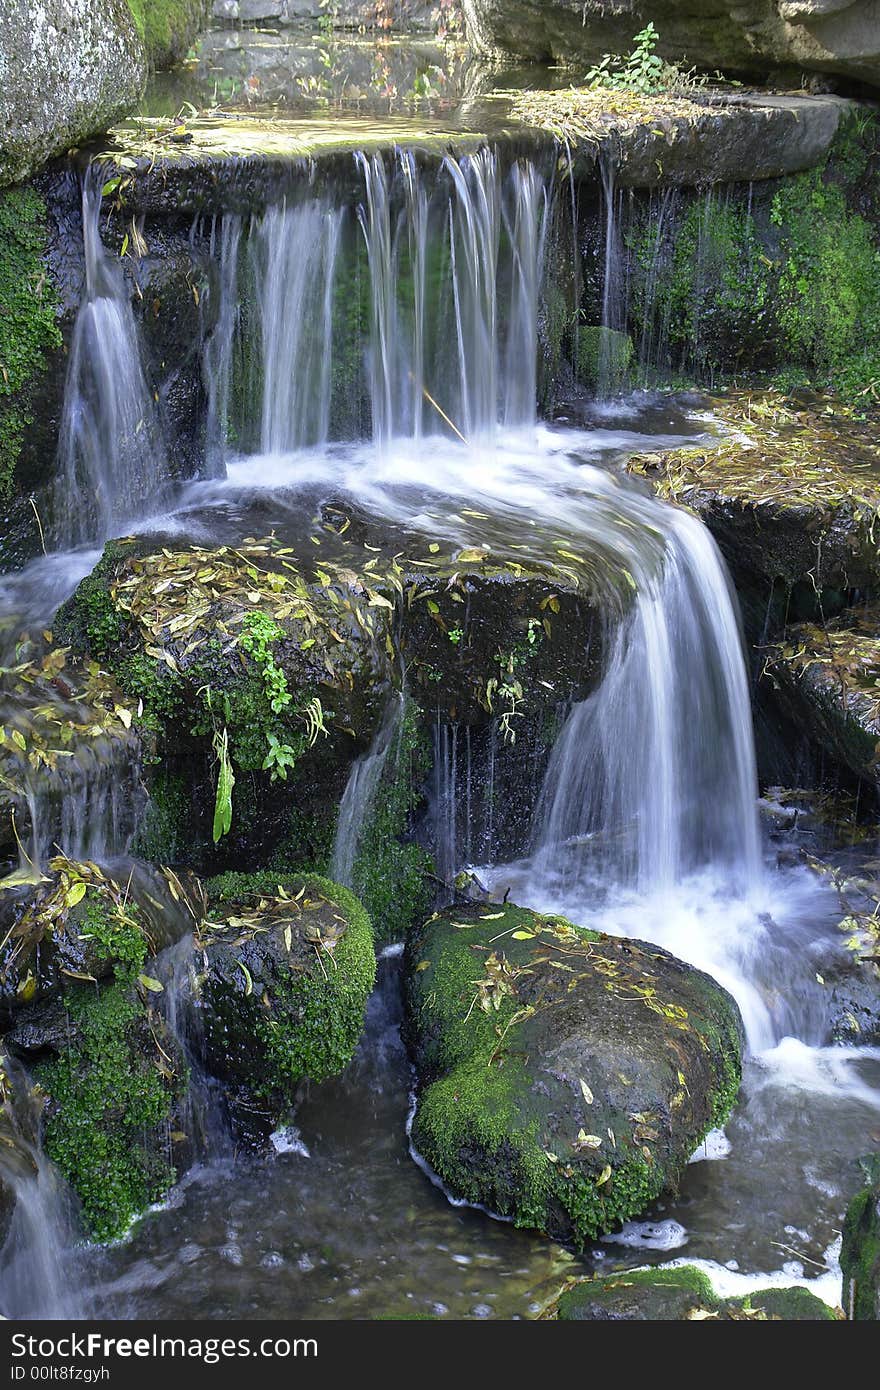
790,490
209,160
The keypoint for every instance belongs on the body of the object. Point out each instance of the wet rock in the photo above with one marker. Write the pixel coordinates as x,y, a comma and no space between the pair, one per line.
789,492
286,967
825,682
683,1293
565,1076
68,69
295,651
860,1254
828,36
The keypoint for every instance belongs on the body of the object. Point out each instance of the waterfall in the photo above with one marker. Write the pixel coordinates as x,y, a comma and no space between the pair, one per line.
297,248
360,791
526,228
202,1114
34,1281
111,459
218,348
653,776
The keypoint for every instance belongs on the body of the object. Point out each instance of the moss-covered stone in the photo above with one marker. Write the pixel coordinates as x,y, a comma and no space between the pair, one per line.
29,331
565,1076
112,1085
167,28
860,1255
826,680
682,1293
289,965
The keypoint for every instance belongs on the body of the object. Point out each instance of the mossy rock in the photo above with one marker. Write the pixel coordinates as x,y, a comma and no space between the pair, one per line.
604,358
288,967
167,28
860,1254
116,1074
71,925
680,1294
565,1076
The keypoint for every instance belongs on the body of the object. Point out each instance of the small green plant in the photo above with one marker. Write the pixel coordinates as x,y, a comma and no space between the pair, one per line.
314,717
280,759
642,70
225,783
259,632
455,635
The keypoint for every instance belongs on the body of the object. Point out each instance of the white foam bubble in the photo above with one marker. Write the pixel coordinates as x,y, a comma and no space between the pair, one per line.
650,1235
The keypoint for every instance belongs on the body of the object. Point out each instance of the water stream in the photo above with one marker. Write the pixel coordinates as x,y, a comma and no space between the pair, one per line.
646,825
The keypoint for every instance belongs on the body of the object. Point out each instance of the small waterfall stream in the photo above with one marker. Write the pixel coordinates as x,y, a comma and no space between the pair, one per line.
34,1278
111,460
360,792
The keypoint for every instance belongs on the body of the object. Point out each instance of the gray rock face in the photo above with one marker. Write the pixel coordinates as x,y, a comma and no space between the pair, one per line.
833,36
68,69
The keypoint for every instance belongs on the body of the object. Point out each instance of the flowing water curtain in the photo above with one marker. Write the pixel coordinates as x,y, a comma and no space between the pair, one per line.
297,248
224,245
34,1261
112,462
525,220
475,237
653,776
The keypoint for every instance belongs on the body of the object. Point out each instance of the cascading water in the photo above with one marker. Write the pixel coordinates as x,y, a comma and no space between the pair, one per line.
360,792
653,777
111,459
225,244
297,249
34,1278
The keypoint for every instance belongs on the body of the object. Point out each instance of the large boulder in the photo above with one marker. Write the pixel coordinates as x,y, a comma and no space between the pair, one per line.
565,1076
68,69
683,1293
831,36
860,1254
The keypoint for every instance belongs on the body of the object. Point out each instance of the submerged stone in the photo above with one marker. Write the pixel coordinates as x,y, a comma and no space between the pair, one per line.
287,966
683,1293
565,1076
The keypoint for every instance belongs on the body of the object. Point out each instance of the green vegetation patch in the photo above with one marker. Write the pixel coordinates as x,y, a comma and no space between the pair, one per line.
28,320
111,1091
683,1293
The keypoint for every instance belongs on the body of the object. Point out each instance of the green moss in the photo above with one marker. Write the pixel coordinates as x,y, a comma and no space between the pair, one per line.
603,357
676,1294
317,1013
167,27
161,837
486,1117
28,326
390,874
830,284
109,1104
713,290
90,622
860,1256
